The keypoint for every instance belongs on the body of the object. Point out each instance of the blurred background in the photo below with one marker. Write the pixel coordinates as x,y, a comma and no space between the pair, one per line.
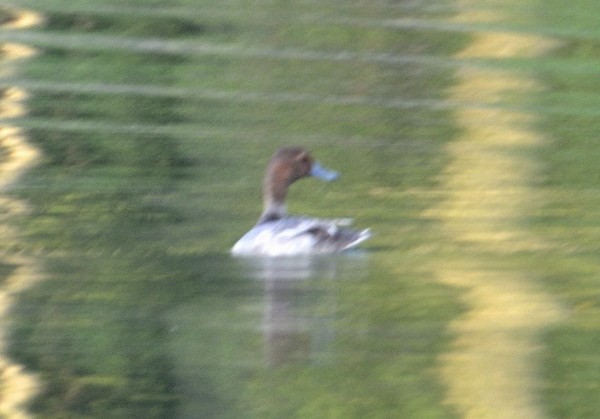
133,140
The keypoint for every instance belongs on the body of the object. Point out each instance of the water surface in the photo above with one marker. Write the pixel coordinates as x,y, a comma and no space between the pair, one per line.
155,123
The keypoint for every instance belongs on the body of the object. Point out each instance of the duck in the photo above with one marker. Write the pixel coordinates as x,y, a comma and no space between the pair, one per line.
278,234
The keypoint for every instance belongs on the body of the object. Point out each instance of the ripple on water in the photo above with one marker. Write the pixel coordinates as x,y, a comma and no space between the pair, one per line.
491,371
18,386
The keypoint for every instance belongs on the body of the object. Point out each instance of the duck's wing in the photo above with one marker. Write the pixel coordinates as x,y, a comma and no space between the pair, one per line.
332,235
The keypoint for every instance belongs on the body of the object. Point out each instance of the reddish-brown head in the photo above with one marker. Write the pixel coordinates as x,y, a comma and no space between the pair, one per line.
288,165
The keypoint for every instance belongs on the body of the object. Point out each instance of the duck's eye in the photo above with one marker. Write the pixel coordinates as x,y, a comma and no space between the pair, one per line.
303,159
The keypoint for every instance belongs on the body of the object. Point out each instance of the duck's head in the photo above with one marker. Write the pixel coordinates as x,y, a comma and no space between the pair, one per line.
288,165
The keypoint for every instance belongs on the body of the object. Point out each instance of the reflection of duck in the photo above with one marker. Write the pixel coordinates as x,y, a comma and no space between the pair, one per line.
277,234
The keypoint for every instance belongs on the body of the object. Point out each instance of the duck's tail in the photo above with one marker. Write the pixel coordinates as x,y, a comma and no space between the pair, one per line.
353,238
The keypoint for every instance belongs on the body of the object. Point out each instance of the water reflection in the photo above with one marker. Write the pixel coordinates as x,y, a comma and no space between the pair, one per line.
298,321
245,321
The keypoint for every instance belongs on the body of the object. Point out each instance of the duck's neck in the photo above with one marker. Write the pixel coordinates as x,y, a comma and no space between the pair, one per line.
273,212
274,193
